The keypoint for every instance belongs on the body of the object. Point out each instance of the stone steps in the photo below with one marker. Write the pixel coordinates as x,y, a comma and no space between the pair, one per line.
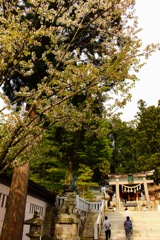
88,231
146,225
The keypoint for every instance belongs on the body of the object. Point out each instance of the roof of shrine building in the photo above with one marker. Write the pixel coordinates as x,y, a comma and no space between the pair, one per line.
136,175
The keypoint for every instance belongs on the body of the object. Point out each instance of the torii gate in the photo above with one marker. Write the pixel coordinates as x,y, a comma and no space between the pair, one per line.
130,181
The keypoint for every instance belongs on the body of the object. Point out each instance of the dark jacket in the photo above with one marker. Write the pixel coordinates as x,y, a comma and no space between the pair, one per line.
128,225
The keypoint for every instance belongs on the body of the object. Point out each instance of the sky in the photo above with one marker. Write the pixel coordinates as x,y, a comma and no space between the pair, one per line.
148,86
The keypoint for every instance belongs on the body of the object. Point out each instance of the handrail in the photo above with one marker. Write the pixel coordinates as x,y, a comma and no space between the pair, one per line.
87,206
60,200
98,224
81,204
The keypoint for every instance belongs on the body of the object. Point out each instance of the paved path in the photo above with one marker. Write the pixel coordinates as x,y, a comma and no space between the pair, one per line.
146,225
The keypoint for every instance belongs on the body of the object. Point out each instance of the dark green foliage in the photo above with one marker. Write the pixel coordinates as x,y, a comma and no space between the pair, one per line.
136,147
123,158
148,130
147,138
60,148
47,168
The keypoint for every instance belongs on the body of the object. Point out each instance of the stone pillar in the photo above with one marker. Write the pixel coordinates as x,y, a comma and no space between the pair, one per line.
146,193
67,227
67,224
117,194
106,199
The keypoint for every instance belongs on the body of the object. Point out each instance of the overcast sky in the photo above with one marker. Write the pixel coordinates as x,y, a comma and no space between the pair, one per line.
148,87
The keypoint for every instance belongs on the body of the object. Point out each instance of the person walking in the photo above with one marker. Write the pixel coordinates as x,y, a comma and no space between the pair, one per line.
128,227
107,227
127,214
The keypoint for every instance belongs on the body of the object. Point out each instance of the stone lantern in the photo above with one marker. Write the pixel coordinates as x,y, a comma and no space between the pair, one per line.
35,223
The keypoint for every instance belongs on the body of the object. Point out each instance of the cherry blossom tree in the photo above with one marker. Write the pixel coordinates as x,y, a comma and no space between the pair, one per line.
57,58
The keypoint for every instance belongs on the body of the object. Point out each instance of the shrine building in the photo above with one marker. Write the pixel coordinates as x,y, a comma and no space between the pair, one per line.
130,187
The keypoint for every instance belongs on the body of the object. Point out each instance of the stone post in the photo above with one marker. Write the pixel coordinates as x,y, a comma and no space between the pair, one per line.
67,227
146,193
117,194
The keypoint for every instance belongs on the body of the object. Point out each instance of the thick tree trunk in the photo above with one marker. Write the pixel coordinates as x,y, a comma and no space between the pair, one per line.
15,210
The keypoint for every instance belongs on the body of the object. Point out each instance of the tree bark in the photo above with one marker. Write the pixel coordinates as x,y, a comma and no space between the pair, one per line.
16,202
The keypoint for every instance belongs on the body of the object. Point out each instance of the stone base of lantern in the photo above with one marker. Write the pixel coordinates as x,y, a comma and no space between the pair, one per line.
32,237
67,227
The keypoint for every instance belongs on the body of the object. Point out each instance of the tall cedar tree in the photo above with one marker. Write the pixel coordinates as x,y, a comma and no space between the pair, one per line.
123,155
147,143
62,148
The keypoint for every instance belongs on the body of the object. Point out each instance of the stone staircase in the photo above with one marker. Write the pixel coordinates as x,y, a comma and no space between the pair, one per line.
146,225
88,232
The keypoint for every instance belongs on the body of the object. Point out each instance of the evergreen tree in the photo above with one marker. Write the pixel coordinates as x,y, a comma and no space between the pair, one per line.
84,178
61,151
123,157
147,144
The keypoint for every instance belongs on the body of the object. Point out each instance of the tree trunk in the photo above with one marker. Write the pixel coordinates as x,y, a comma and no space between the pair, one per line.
70,177
16,202
83,188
